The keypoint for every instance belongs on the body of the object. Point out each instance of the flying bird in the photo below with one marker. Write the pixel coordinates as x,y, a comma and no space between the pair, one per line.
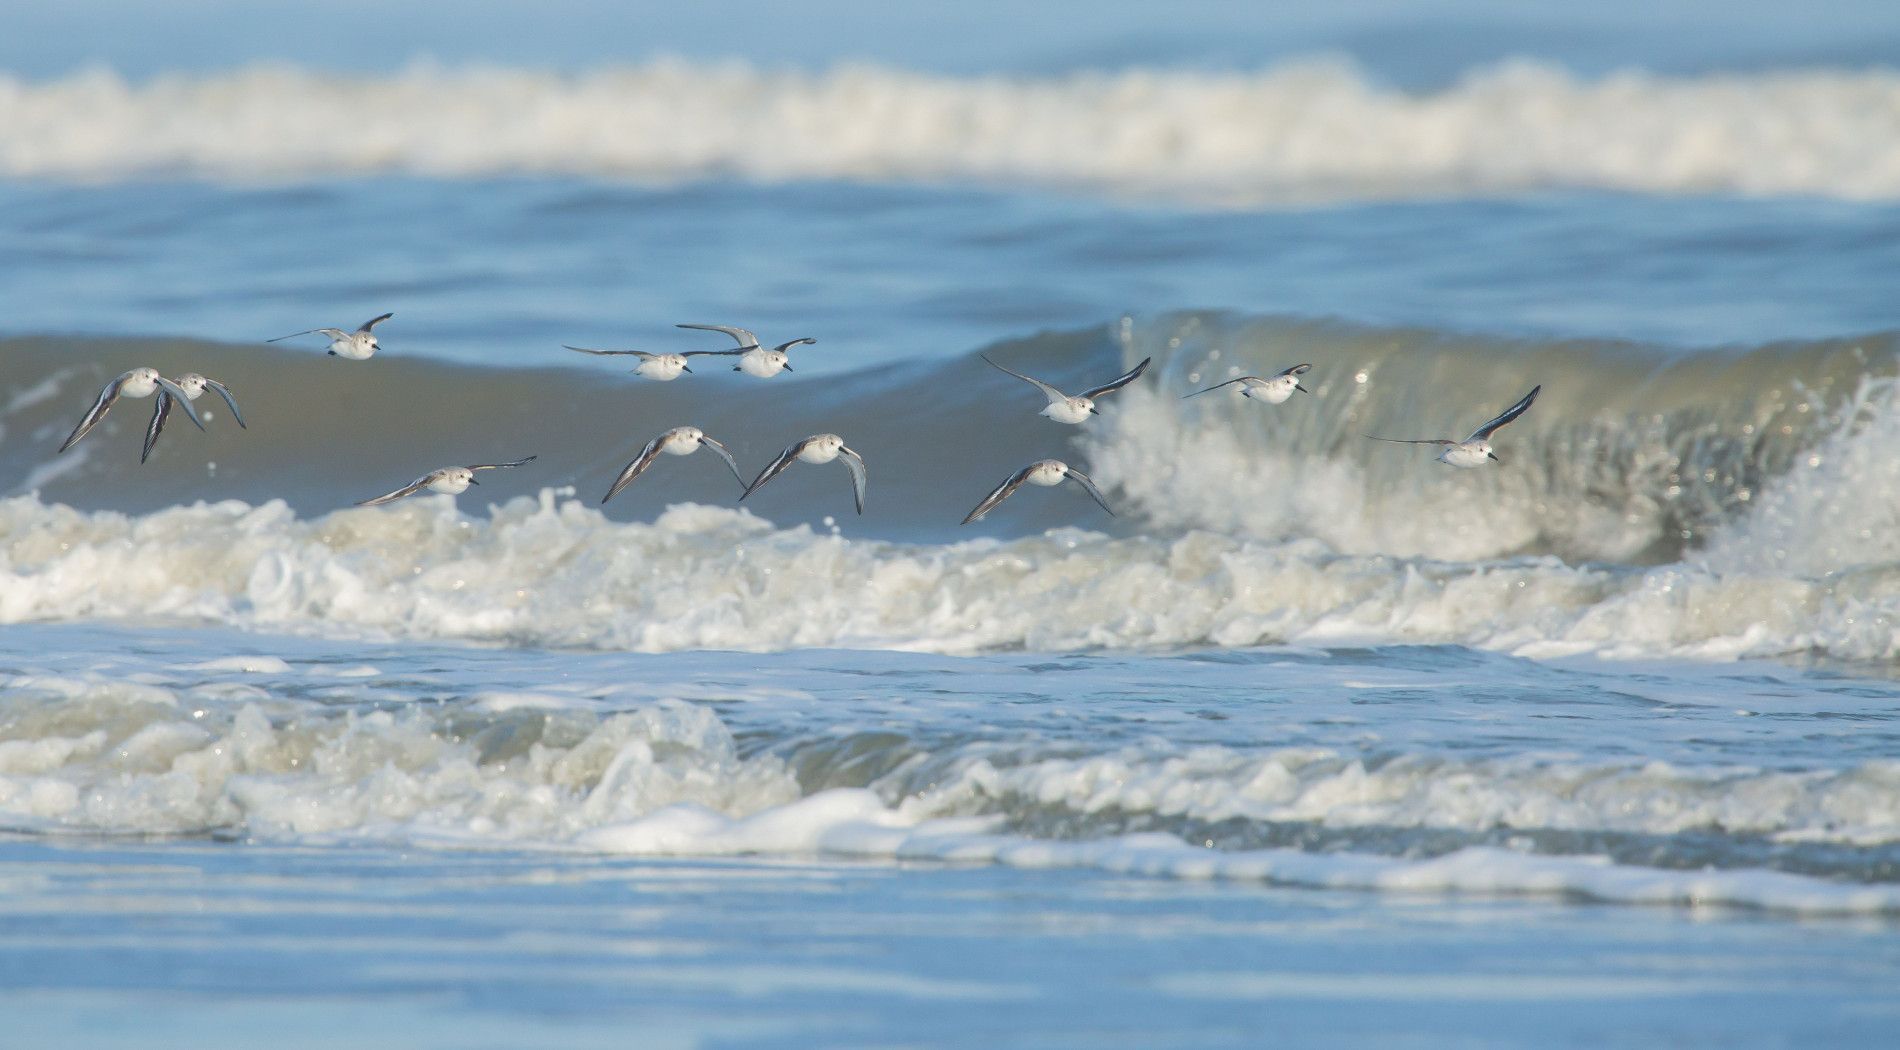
1474,450
451,480
754,359
1273,390
139,382
1065,409
1041,472
679,441
819,448
662,367
359,345
193,385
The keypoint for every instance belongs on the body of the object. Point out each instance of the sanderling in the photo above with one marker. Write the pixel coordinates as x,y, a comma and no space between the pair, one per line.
357,346
1474,450
1041,472
1065,409
193,385
754,359
662,367
139,382
451,480
819,448
679,441
1272,390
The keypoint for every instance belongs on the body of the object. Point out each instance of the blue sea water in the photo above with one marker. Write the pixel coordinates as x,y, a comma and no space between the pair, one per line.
1313,742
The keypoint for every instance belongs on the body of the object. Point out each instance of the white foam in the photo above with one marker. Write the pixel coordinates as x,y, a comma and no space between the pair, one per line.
1302,131
554,572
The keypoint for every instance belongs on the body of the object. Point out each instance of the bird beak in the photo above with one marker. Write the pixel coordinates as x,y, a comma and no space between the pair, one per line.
1094,412
686,368
1300,388
788,367
472,481
1494,455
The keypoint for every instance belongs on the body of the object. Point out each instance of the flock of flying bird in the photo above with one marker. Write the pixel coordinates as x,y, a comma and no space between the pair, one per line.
754,360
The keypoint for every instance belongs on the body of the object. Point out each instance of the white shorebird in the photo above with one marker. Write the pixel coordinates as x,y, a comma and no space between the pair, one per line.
193,385
754,359
1474,450
359,345
451,480
662,367
679,441
1041,472
1065,409
819,448
139,382
1273,390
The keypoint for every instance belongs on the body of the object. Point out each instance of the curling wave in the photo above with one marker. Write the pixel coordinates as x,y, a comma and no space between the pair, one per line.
1305,131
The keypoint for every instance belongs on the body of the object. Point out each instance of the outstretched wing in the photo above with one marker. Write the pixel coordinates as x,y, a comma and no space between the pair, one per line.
498,466
1118,382
225,393
723,453
745,339
641,354
998,495
1055,396
96,413
856,464
638,467
334,333
184,400
160,412
1217,386
1296,370
398,494
1484,432
1415,441
782,347
1083,480
372,322
777,466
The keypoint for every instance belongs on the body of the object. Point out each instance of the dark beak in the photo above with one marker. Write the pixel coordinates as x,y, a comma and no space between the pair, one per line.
686,368
1302,389
472,481
1093,411
788,366
1494,455
332,353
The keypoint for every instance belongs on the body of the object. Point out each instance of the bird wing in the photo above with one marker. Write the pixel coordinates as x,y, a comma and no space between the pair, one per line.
641,354
1415,441
1296,370
772,471
334,333
160,412
372,322
184,400
1217,386
1120,381
998,494
745,339
96,413
1055,396
782,347
1083,480
637,467
1484,432
723,453
225,393
497,466
399,493
856,464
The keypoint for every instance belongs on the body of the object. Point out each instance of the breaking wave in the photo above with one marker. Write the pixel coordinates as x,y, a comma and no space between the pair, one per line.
1314,130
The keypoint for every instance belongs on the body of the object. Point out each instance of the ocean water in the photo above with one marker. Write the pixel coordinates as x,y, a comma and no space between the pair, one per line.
1312,739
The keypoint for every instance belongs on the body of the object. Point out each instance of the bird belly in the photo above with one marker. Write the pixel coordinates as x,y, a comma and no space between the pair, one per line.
1064,412
1460,456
